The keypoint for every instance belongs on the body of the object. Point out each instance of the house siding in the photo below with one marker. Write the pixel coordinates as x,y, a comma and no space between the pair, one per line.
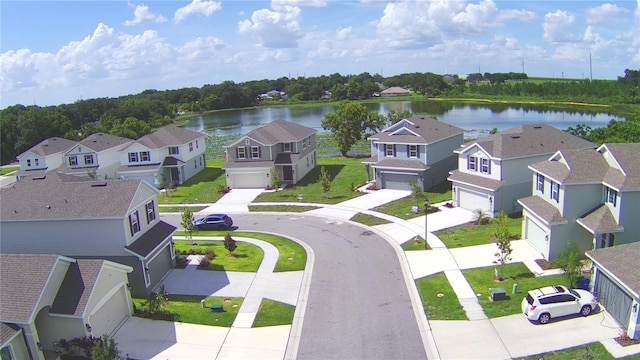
629,207
506,198
52,327
108,279
442,150
18,347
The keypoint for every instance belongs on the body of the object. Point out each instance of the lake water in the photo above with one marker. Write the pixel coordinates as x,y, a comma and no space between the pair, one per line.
476,119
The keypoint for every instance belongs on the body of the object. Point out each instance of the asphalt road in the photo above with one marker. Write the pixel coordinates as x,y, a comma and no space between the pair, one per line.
358,305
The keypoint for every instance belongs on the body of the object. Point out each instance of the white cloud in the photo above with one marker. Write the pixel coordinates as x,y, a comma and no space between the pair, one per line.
555,27
196,7
569,52
275,4
344,33
142,14
635,44
604,13
274,28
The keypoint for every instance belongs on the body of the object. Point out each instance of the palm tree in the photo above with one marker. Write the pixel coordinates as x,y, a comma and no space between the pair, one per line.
480,217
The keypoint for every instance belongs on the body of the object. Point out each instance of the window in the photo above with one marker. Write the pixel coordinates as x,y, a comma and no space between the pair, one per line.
485,166
304,143
286,147
540,183
29,162
390,150
145,156
255,152
37,162
471,163
73,160
133,157
611,196
413,151
241,153
604,242
174,150
151,211
196,144
134,223
6,354
307,162
191,146
88,159
555,191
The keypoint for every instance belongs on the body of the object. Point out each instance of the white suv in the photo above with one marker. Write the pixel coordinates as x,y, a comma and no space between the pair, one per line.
553,301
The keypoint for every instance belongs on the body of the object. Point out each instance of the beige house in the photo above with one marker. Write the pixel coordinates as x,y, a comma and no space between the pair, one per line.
394,91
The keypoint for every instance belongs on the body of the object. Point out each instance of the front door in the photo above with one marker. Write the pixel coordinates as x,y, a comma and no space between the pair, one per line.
287,173
175,176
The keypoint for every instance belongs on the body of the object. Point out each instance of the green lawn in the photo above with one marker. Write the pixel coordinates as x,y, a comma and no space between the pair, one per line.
401,208
482,279
179,209
436,307
292,256
8,169
272,313
188,309
368,220
590,351
470,234
412,245
247,257
345,173
282,208
202,188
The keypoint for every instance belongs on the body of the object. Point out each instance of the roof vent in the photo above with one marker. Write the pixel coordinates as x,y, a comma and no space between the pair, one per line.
100,184
49,207
537,127
39,177
515,136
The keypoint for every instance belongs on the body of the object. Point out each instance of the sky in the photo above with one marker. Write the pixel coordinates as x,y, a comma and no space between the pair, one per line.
55,52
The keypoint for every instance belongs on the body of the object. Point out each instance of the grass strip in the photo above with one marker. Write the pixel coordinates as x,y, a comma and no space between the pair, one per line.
439,300
272,313
188,309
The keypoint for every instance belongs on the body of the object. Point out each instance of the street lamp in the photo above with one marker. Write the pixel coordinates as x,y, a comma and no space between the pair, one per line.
426,206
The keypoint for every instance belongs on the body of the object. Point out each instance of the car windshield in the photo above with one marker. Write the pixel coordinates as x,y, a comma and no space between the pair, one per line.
575,293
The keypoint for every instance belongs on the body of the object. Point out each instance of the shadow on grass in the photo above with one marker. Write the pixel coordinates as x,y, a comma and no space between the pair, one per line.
313,175
206,175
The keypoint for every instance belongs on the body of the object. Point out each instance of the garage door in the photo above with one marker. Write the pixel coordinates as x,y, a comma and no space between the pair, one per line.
472,201
536,236
248,180
615,301
160,265
395,181
109,315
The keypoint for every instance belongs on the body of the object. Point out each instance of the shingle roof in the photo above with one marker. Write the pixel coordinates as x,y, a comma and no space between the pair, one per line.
626,156
429,130
150,240
276,132
50,146
528,140
101,141
577,166
401,164
7,331
287,159
541,208
22,279
394,90
126,168
371,160
76,287
169,135
60,196
475,180
599,219
621,261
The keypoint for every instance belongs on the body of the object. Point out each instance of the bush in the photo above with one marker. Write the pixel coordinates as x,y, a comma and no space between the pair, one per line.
209,255
204,263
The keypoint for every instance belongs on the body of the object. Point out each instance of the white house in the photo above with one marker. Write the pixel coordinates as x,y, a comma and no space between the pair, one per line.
492,171
96,156
46,156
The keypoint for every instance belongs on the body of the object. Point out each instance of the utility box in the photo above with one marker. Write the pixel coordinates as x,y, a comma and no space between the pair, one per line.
498,294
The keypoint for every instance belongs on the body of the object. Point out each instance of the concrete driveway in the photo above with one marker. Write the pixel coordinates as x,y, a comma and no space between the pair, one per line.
235,201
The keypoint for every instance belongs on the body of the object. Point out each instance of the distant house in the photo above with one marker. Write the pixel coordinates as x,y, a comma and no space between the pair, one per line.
395,91
44,157
115,220
173,151
590,196
492,171
287,147
95,156
420,148
46,298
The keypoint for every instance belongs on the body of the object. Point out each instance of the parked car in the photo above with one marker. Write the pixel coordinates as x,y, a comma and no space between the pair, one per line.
554,301
214,222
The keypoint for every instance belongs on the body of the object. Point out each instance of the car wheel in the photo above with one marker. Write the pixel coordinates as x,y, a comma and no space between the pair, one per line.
586,310
544,318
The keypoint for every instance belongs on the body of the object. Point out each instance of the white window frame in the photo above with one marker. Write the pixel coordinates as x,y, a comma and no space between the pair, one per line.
389,150
255,152
472,163
485,166
151,211
611,196
145,156
134,223
36,162
28,162
88,157
555,191
286,147
540,183
304,143
242,153
174,150
73,160
133,157
191,146
413,151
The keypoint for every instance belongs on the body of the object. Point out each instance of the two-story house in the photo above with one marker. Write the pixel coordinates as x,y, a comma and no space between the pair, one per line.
591,197
419,148
115,220
95,156
46,156
492,171
171,152
287,147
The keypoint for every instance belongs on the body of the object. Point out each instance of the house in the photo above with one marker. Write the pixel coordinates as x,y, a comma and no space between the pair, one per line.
492,171
419,148
395,91
589,196
95,156
616,283
46,156
287,147
115,220
46,298
171,152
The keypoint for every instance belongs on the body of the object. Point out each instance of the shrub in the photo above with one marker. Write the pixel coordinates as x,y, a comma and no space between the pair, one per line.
204,263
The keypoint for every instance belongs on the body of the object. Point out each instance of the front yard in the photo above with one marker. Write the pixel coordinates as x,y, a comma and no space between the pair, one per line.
402,208
471,234
188,309
202,188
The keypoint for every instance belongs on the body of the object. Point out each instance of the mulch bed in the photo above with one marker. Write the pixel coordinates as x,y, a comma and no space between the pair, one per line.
624,340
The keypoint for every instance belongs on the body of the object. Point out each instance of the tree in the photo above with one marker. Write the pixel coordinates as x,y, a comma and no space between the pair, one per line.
229,244
156,301
503,240
394,115
187,223
416,191
570,260
325,182
105,348
275,178
480,217
349,123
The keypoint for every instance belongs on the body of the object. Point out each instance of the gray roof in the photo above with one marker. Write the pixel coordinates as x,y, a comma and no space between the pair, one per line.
428,131
101,141
50,146
529,140
401,164
599,219
150,240
287,159
579,166
475,180
76,287
143,167
60,196
22,279
276,132
7,331
621,261
371,160
626,155
541,208
169,135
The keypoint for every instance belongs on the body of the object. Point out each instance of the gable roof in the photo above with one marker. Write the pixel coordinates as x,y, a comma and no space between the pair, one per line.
599,220
277,131
7,332
528,140
50,146
424,130
102,141
626,156
395,90
60,196
169,135
621,261
573,166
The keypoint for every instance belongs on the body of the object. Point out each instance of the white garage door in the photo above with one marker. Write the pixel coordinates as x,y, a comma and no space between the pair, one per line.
536,236
108,316
472,201
395,181
248,180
